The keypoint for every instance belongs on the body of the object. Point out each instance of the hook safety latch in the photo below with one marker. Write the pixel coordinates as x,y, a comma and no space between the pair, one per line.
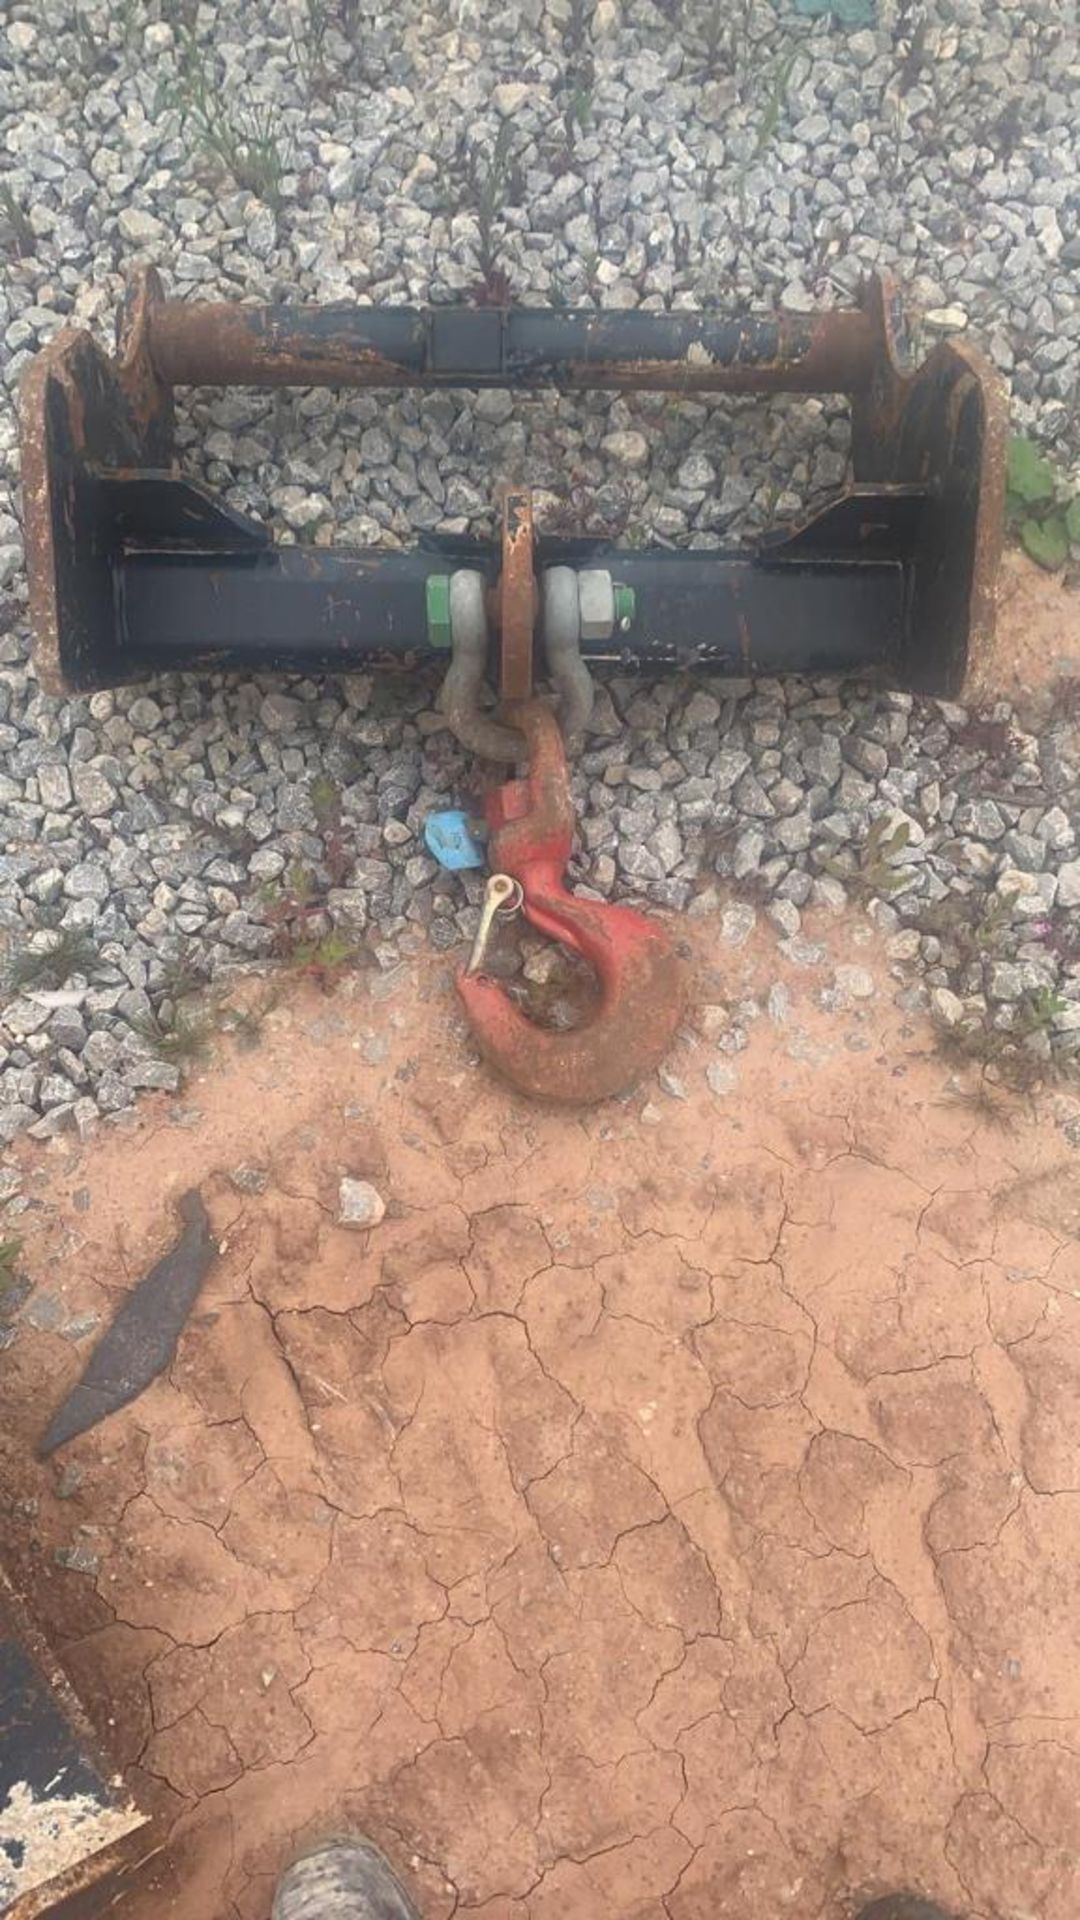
639,974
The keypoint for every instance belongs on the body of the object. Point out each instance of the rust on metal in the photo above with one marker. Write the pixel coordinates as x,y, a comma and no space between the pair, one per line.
642,988
210,343
104,501
149,395
944,423
985,389
51,364
517,597
196,343
834,353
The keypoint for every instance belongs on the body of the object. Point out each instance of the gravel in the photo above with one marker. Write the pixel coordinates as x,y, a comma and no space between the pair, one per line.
167,824
360,1204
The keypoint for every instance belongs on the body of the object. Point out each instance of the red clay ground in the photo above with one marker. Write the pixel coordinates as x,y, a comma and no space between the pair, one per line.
668,1510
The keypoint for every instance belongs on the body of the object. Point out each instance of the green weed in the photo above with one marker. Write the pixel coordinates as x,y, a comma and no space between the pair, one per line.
10,1249
180,977
723,30
23,240
324,960
493,182
70,951
180,1040
1038,505
289,909
578,111
779,72
1038,1010
326,804
974,923
578,26
245,1021
873,876
309,47
243,136
1008,1064
992,1106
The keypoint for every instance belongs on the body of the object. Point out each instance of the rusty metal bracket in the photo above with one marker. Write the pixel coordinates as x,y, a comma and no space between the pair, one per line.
135,570
640,978
517,597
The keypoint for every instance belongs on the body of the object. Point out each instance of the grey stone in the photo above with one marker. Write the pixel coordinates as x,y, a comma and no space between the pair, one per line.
249,1179
779,1003
751,797
1006,981
144,714
737,923
14,1120
360,1205
279,713
981,818
854,983
100,1050
54,787
785,917
157,1075
1056,829
627,448
78,1558
140,229
87,881
867,756
94,793
640,863
795,833
946,1006
822,760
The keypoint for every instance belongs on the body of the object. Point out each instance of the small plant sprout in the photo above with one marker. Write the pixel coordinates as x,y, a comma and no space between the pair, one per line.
1039,507
493,183
873,875
244,136
21,238
11,1246
50,959
181,1039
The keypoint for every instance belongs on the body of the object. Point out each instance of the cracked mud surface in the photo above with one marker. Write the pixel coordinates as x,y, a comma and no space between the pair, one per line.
668,1516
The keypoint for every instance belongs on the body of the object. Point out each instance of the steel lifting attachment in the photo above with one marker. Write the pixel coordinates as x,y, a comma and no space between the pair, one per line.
638,971
532,823
135,570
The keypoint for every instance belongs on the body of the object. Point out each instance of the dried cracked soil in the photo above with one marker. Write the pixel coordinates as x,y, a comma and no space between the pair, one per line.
668,1510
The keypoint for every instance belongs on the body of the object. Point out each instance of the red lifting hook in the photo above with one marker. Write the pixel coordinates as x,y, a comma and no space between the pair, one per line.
641,985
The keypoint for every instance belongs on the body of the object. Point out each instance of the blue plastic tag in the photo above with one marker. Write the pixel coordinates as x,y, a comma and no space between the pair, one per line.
448,836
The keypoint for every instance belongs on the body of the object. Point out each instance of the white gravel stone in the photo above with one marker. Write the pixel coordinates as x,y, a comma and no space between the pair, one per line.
737,923
946,1006
360,1204
856,983
140,229
627,448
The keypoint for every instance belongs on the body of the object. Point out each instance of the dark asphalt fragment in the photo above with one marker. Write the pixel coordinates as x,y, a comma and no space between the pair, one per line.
142,1338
